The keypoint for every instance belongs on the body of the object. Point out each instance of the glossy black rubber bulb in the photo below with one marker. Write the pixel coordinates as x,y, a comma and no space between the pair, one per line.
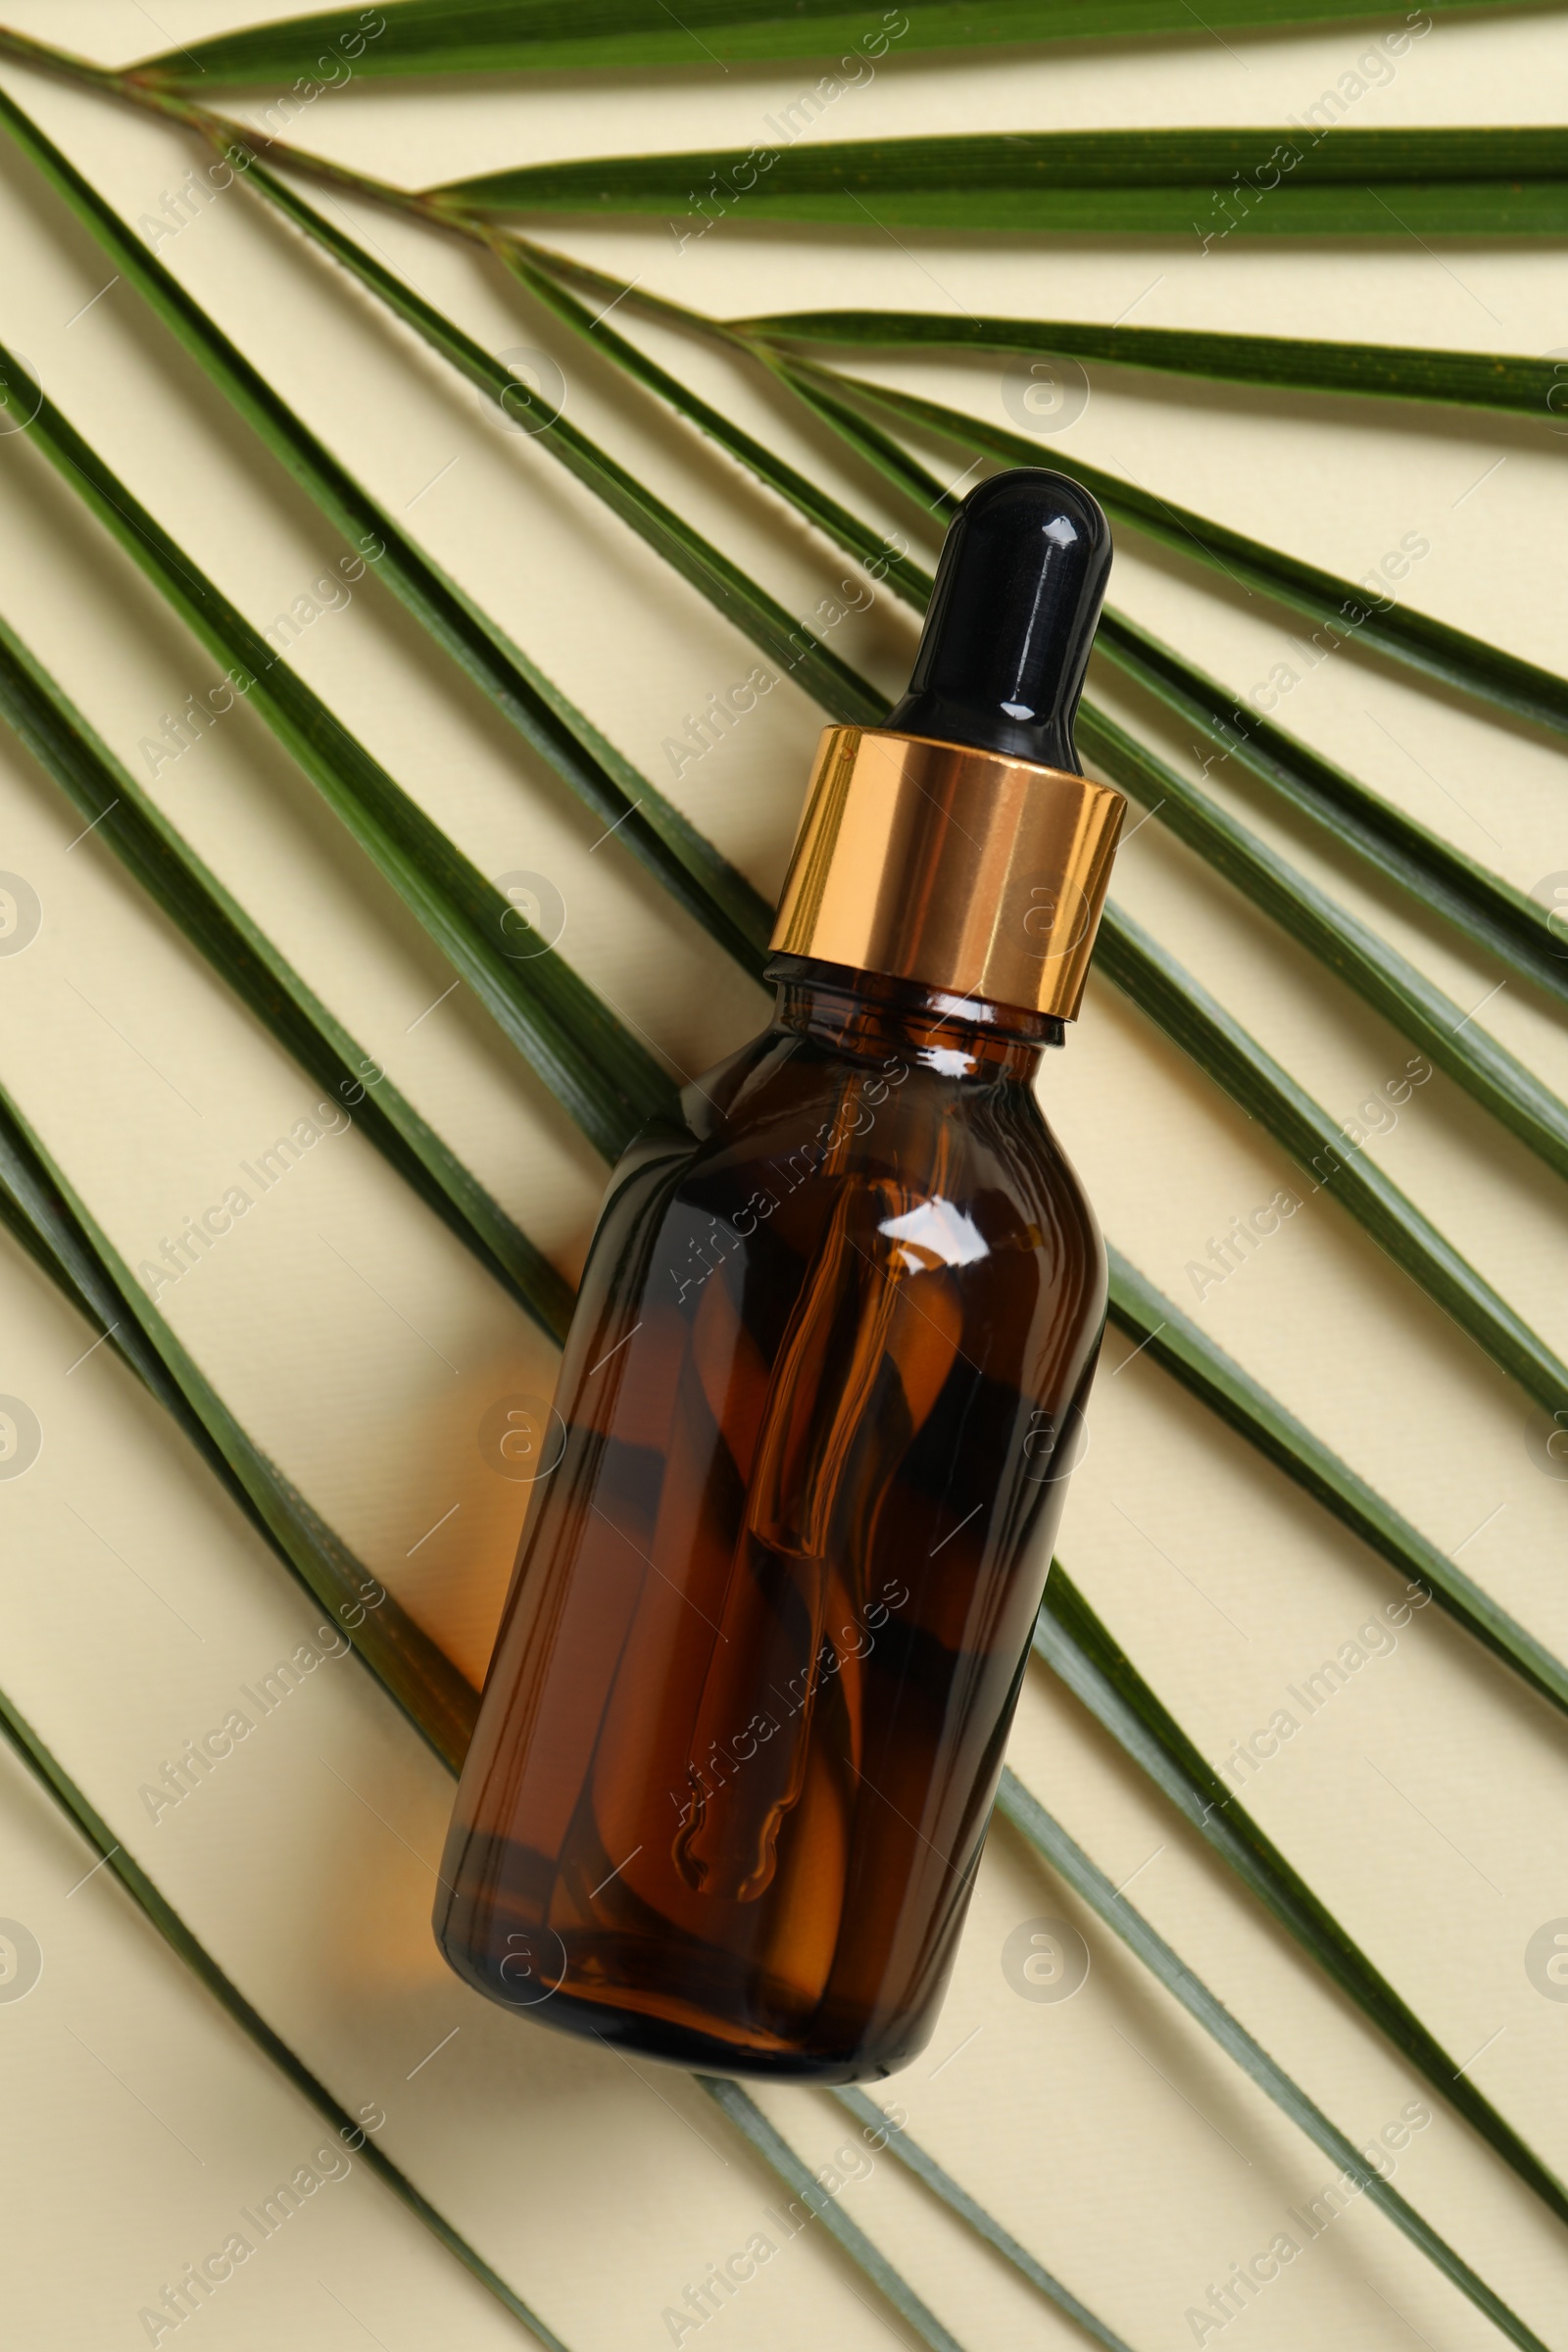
1018,596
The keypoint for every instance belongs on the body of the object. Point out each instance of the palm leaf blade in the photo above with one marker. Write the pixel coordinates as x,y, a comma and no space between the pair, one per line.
62,1234
1090,1883
1348,947
1175,1343
1412,639
753,2124
790,642
126,822
1477,379
1439,182
1078,1647
155,1907
1196,1022
643,819
598,1071
1481,906
957,2199
490,37
805,496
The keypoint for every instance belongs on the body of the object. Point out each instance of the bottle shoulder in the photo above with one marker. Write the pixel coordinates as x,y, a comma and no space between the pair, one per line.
970,1168
787,1088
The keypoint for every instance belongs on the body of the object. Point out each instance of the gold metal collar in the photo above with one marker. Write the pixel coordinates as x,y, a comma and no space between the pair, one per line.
960,870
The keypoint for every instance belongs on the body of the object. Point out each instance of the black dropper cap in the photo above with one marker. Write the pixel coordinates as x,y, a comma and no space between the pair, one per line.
1006,645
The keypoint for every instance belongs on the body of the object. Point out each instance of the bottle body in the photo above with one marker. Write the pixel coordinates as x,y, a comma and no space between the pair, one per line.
746,1714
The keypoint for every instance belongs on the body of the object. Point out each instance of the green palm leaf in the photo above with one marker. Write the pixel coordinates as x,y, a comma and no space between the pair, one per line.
63,732
1376,971
1194,1021
54,1226
1208,1371
1338,606
1432,647
163,861
491,36
1153,980
53,1777
593,1065
1470,380
1077,1647
622,797
1381,183
58,1228
1385,978
1174,1341
891,459
957,2199
1068,1859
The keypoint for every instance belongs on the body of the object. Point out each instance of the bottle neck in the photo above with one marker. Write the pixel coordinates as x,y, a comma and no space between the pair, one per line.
869,1016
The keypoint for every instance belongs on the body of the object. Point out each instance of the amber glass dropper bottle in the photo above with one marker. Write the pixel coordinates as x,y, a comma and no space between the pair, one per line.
747,1709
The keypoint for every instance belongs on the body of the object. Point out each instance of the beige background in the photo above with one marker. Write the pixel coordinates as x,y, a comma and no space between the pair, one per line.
361,1347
